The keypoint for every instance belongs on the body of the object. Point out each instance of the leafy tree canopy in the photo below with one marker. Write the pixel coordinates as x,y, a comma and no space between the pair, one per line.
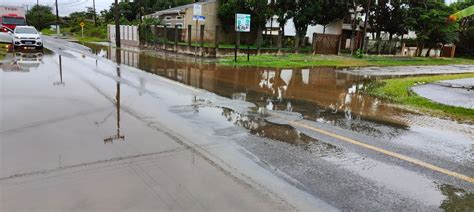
40,16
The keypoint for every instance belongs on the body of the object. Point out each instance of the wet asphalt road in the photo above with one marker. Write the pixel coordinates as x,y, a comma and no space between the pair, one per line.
94,136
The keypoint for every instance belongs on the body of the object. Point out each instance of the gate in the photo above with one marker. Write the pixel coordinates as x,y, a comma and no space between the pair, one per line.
326,43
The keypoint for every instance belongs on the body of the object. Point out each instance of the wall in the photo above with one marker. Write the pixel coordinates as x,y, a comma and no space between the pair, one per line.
332,29
128,34
209,10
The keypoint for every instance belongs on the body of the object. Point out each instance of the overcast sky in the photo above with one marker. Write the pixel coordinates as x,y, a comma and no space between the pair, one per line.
65,6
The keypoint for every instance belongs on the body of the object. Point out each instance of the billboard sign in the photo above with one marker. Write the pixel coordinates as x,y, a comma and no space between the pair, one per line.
242,22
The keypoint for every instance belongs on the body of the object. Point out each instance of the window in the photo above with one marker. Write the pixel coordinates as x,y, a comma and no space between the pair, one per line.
25,30
179,17
14,21
168,17
179,25
168,24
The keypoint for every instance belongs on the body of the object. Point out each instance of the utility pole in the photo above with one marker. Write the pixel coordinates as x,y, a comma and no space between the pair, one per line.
95,16
57,18
140,10
117,24
37,2
365,27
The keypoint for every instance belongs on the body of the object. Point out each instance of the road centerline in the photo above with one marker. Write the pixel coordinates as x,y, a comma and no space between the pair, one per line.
386,152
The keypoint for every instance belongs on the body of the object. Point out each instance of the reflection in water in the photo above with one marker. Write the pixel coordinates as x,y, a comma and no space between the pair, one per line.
22,61
60,82
320,94
457,199
118,136
279,132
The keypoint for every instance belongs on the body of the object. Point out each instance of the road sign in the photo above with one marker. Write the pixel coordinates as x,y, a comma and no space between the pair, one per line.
199,18
197,9
242,22
82,24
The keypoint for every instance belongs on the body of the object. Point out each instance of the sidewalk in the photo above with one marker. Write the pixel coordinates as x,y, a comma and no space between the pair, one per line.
411,70
457,93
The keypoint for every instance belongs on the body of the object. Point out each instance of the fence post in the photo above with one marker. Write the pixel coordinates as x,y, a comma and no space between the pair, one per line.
313,44
202,39
189,36
339,45
176,38
155,35
237,45
279,41
216,40
165,36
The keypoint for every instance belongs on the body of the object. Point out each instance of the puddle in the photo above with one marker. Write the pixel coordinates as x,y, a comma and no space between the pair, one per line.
320,94
456,199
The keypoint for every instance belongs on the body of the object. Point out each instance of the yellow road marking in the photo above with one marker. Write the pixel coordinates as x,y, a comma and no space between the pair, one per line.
386,152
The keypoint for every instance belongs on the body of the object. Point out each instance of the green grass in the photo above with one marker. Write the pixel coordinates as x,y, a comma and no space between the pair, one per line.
308,60
67,31
3,50
88,39
398,91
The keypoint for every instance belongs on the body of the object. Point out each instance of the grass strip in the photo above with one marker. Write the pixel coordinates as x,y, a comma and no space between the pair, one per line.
309,60
398,91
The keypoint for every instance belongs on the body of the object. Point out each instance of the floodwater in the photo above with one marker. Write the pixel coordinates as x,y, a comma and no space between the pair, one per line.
320,94
323,96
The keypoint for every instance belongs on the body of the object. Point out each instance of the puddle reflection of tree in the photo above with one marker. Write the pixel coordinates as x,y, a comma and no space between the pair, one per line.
456,199
117,136
279,132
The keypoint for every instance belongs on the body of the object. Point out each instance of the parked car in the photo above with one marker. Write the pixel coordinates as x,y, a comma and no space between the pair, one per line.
6,35
27,37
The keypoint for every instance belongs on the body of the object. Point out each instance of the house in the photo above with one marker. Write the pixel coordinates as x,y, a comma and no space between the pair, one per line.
182,16
342,27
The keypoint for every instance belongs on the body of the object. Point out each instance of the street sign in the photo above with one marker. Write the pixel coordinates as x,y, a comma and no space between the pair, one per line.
197,9
199,18
82,24
242,22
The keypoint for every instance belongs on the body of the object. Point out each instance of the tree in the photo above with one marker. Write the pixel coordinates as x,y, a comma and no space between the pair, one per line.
282,10
40,16
465,45
259,10
428,19
331,11
164,4
395,15
304,13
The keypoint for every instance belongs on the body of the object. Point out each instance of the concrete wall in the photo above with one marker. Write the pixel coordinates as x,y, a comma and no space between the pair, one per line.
332,29
128,35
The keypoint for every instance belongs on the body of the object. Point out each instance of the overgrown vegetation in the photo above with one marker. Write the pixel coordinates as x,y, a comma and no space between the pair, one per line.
41,17
398,91
3,51
308,60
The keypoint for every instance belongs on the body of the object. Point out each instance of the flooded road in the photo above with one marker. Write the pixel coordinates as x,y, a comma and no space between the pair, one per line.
76,128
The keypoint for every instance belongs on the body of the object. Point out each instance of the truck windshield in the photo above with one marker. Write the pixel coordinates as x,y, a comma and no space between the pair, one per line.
25,30
13,20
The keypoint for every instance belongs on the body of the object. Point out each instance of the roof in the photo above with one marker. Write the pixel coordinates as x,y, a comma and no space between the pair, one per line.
179,9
